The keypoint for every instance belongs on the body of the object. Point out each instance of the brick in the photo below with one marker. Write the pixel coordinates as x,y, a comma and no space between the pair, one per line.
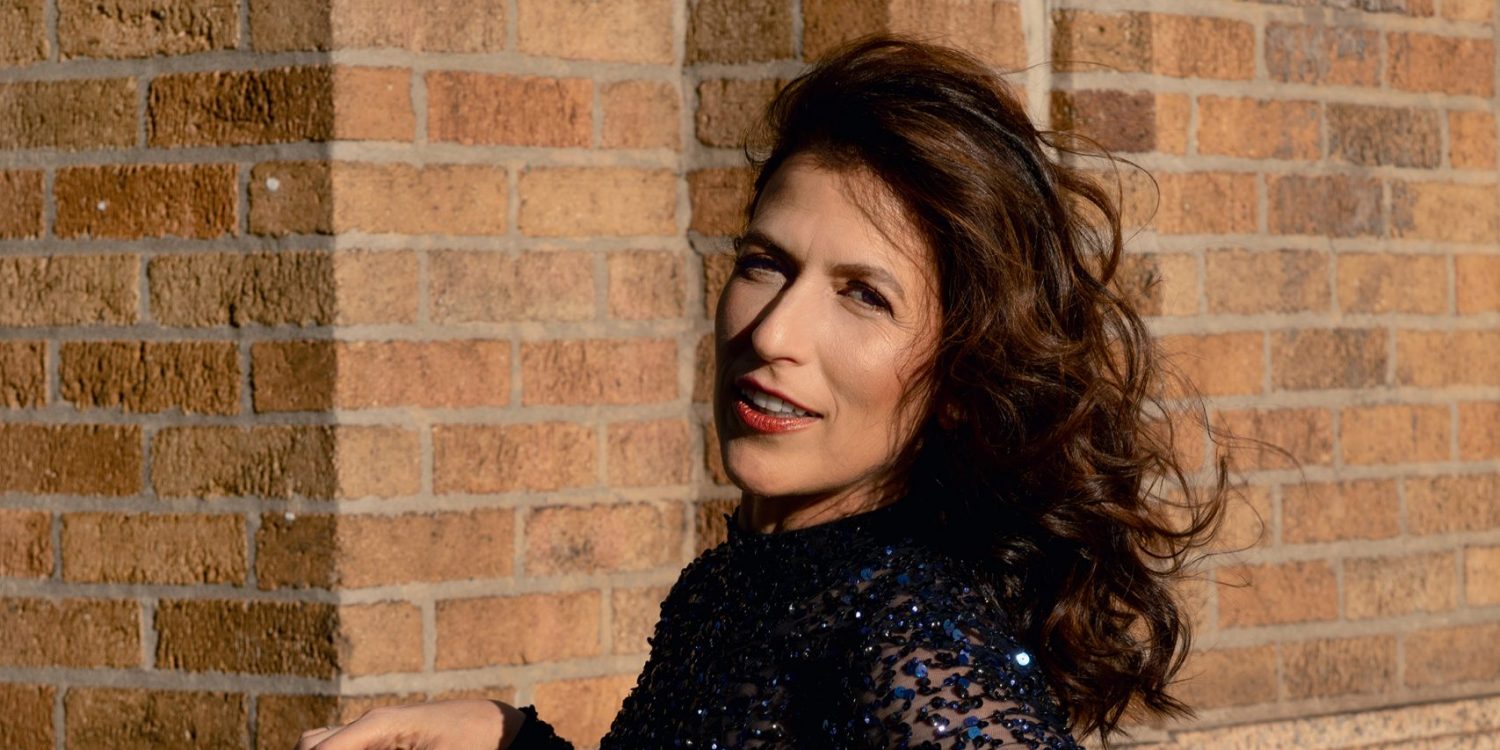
1280,281
1478,283
1089,41
238,289
1335,511
713,457
25,545
1249,522
1384,136
640,114
1443,504
633,616
1394,586
1471,140
652,453
1481,576
479,286
828,23
201,377
523,629
646,284
21,214
1160,284
598,371
132,201
280,105
145,28
1322,55
377,198
585,707
315,375
290,638
70,459
1229,677
380,638
1204,203
1275,594
68,115
1340,666
1452,655
23,374
605,538
1439,358
286,461
1392,283
28,715
1479,431
1258,129
1315,359
728,108
587,201
455,26
738,31
280,720
81,633
372,286
486,109
383,550
989,29
507,458
719,198
630,31
190,548
295,551
1305,434
352,707
710,528
1469,10
717,268
25,41
1119,121
1335,205
1173,45
1445,211
137,719
703,369
1221,364
1394,434
1451,65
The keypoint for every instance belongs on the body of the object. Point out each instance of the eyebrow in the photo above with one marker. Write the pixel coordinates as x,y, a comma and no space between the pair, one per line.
858,270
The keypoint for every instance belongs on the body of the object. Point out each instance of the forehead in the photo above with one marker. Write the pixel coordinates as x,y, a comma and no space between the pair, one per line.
847,215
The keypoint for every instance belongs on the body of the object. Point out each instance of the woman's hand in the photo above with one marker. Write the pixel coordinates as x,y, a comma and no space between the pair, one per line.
444,725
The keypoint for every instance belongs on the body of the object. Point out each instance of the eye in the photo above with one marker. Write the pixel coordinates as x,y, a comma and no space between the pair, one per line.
868,297
753,265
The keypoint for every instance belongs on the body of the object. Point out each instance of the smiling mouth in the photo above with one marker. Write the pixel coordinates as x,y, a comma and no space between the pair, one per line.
762,412
769,405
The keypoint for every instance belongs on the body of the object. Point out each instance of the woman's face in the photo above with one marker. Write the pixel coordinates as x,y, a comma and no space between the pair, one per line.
821,329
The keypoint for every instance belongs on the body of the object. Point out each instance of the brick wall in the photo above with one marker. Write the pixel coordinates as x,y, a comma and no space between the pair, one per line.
354,351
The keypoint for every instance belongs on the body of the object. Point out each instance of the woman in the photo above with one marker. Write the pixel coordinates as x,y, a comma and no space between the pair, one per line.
952,531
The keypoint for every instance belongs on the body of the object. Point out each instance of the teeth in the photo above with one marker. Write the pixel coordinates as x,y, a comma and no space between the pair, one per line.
771,404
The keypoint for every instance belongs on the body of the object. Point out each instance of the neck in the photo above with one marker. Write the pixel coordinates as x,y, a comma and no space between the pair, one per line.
770,515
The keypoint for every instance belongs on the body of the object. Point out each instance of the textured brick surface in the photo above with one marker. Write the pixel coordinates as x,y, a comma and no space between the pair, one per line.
732,31
1437,505
1230,677
640,114
637,31
728,108
1251,595
26,38
1333,205
457,26
380,638
151,376
314,375
1283,281
135,719
144,28
1451,65
1393,282
1258,129
989,29
1391,586
285,461
1481,576
633,616
21,204
1340,666
68,115
375,287
296,638
1449,655
477,108
1471,140
646,284
1311,358
25,544
472,287
1445,211
1160,283
379,550
650,453
68,290
1478,287
1172,45
146,200
308,198
485,458
1219,364
155,548
1323,55
233,289
598,371
28,715
1395,433
719,197
1330,511
70,459
70,633
523,629
602,538
281,719
295,551
23,372
583,201
1384,136
1437,358
584,707
1479,430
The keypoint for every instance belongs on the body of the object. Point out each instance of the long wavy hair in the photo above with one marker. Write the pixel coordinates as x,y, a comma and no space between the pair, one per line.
1044,450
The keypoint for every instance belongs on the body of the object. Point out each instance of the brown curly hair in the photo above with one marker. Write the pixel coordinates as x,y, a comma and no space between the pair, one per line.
1042,452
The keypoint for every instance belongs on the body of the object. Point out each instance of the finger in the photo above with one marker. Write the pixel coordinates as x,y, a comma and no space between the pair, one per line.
312,737
366,734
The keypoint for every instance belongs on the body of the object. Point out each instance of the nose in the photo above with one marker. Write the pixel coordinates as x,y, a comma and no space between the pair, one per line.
783,330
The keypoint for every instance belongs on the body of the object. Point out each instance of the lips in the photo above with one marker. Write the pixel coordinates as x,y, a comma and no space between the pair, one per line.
764,410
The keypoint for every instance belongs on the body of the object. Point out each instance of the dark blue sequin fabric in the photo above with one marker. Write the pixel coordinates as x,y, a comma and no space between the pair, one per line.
845,634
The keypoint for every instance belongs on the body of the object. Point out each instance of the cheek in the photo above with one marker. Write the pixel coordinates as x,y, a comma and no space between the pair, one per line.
871,372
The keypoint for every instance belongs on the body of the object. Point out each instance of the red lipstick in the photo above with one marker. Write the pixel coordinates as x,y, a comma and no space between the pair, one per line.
762,422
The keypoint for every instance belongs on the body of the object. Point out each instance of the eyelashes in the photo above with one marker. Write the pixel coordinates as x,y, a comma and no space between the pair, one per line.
752,265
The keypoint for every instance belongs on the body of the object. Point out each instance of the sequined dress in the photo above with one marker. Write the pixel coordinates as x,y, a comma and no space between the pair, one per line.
845,634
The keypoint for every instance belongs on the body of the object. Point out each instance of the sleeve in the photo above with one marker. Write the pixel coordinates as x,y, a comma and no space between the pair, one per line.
941,671
536,734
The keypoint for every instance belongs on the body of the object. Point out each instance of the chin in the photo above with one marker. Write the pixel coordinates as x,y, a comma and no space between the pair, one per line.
758,473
